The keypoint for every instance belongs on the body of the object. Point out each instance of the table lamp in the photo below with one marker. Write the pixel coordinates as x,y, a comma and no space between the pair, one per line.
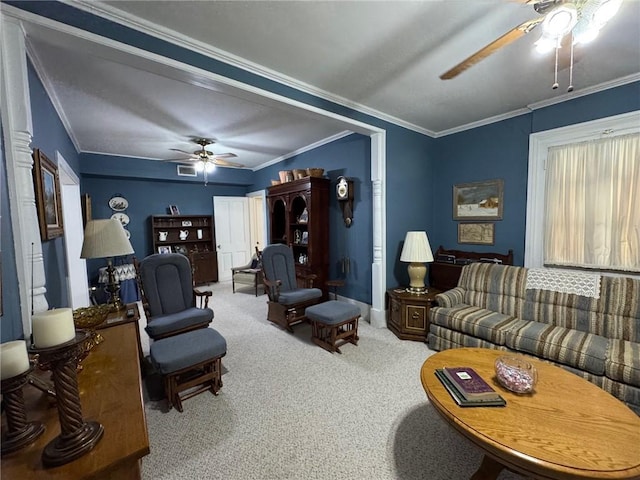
107,239
417,252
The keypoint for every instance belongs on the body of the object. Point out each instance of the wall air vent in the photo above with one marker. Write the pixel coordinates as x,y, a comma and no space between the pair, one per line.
187,171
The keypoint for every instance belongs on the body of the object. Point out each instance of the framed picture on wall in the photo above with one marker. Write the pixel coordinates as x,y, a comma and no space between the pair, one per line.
47,191
478,200
476,233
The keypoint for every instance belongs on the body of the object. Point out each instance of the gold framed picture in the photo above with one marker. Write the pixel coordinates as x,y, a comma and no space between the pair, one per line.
476,233
46,182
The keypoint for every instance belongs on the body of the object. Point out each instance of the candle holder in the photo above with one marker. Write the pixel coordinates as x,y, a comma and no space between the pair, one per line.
20,433
77,436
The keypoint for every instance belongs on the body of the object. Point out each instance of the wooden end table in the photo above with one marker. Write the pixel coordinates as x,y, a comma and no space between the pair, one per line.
568,428
408,315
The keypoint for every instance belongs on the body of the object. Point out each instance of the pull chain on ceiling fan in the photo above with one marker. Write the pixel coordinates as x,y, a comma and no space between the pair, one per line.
205,160
581,20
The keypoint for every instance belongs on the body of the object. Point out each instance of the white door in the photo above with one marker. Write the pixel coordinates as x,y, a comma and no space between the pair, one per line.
258,219
231,218
77,281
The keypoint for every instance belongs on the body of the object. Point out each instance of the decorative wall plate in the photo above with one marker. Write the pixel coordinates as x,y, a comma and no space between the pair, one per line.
123,217
127,233
118,203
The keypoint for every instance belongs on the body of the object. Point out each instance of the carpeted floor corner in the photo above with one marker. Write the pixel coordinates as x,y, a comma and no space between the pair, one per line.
291,410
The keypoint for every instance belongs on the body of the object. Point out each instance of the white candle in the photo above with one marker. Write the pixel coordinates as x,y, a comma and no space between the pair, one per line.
14,359
53,327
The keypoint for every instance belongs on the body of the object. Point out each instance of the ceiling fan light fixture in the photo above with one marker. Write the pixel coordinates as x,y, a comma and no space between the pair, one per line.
560,21
606,11
209,167
199,166
545,44
586,35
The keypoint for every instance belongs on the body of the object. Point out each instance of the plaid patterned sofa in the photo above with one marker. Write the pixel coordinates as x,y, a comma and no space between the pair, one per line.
596,338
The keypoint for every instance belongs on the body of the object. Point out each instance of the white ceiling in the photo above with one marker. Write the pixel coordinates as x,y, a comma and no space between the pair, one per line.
381,57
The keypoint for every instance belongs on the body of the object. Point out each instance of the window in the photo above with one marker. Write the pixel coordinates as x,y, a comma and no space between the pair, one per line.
583,207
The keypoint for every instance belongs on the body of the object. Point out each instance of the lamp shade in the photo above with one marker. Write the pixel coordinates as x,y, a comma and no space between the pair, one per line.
105,238
416,248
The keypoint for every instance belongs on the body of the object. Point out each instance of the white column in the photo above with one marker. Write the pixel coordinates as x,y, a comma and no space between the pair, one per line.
378,268
18,131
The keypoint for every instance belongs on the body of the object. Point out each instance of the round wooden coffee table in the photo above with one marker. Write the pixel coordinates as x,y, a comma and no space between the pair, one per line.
568,428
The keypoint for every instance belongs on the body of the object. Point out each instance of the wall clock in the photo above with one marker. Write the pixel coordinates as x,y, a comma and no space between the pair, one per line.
344,194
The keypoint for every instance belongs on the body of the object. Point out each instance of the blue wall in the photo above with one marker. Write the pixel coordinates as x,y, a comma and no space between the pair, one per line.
148,196
501,150
350,157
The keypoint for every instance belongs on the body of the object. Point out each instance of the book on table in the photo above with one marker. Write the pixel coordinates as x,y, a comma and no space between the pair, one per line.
471,385
488,401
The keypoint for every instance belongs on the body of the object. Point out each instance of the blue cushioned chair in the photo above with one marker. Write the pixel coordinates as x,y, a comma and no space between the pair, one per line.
168,296
287,301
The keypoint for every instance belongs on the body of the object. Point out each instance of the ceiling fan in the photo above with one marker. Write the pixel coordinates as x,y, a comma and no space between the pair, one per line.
205,160
583,19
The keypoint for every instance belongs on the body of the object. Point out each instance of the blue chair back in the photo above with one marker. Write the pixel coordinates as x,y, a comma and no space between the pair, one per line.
278,264
168,284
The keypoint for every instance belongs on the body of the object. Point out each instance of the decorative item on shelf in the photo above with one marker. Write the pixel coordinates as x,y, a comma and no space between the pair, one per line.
285,176
304,240
77,436
107,239
344,194
275,182
315,172
164,249
183,234
297,236
299,173
304,216
516,373
173,210
416,251
162,236
186,223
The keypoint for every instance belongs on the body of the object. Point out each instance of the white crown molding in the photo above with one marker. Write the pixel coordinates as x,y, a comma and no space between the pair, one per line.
483,122
317,144
542,104
111,13
586,91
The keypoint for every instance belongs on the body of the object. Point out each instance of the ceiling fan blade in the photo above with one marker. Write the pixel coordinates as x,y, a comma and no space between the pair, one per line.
509,37
224,155
181,151
225,163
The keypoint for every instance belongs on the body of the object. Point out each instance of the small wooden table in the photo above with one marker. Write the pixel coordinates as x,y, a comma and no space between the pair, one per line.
567,429
408,315
110,393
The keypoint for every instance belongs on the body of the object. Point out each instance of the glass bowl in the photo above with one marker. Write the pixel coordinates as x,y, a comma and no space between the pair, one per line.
90,317
516,374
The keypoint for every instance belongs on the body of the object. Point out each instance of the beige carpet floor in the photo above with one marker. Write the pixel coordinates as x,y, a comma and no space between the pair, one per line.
291,410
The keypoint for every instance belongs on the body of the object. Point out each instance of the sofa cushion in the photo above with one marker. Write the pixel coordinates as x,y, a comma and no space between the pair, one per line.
475,321
562,345
623,362
441,338
500,288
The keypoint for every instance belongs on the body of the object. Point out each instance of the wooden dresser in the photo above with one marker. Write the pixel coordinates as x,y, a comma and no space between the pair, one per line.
110,393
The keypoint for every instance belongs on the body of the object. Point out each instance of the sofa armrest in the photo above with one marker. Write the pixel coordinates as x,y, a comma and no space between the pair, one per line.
451,297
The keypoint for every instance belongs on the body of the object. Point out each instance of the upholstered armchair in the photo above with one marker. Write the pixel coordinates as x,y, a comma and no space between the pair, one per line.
287,302
249,274
168,296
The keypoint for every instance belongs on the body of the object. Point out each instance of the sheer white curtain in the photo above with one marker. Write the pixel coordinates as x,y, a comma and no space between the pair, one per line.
593,204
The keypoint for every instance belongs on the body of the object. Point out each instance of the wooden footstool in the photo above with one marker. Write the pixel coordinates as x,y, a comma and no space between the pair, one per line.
333,324
189,362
